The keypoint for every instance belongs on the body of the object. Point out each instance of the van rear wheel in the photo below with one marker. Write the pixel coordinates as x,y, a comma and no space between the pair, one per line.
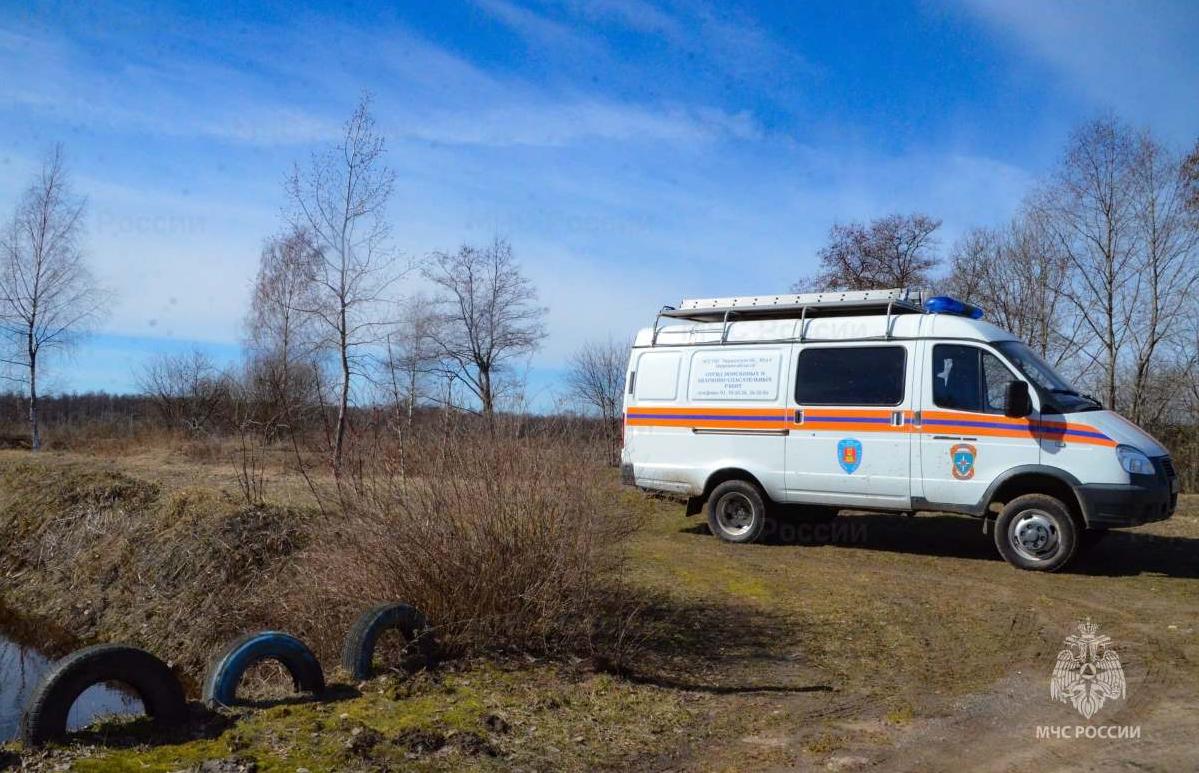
737,511
1036,532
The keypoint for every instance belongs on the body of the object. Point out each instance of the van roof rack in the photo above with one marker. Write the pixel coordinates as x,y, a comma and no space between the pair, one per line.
848,302
802,306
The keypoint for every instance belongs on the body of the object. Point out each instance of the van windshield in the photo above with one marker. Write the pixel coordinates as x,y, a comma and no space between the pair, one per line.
1062,397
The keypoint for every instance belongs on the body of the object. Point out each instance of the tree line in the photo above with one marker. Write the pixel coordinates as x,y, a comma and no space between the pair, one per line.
1097,270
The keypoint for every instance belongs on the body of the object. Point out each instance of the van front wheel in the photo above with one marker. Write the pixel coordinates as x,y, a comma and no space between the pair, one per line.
737,511
1036,532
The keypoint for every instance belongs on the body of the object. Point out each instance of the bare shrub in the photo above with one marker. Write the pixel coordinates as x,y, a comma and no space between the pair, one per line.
507,544
188,390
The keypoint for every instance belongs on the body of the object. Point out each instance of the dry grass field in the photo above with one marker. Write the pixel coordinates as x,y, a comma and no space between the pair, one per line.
876,641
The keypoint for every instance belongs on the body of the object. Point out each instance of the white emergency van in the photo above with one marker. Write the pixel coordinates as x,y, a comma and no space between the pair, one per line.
777,406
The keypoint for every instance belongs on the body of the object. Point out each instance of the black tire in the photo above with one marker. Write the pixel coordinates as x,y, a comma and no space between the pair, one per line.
1036,532
161,694
737,512
359,650
226,670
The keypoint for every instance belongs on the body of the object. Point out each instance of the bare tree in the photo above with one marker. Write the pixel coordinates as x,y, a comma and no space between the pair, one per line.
48,295
596,378
1166,270
340,199
892,251
1018,276
1190,178
412,355
280,337
488,316
1090,209
188,390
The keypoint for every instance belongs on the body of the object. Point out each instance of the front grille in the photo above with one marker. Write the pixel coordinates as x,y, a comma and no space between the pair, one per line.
1168,467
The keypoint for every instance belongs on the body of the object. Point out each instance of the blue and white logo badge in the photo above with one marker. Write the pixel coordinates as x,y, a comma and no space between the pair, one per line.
963,456
849,454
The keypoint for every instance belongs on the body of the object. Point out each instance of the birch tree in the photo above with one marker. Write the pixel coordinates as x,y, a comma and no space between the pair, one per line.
280,336
48,294
341,198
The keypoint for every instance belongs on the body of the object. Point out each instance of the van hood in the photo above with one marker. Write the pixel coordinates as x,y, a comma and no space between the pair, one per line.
1121,430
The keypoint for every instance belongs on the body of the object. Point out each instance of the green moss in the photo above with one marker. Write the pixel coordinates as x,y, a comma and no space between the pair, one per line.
477,717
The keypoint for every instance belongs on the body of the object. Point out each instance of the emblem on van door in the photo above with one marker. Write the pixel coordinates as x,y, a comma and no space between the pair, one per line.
962,456
849,454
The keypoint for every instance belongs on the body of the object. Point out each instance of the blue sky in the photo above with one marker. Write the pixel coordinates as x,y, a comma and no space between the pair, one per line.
634,153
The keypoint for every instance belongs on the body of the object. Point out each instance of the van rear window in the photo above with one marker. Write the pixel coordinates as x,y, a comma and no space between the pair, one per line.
857,375
657,376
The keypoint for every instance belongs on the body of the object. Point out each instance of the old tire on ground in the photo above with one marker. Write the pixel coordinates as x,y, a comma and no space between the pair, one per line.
737,512
226,670
359,650
1036,532
161,694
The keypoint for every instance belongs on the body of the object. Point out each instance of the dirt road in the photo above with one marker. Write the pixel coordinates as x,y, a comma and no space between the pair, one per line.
906,643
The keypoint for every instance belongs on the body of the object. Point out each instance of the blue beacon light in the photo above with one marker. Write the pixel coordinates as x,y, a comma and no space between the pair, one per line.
943,304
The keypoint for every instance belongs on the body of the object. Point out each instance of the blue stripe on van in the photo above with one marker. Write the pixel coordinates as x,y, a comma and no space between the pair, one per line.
1037,427
707,417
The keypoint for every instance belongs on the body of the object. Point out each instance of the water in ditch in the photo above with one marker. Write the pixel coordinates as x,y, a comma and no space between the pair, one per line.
21,667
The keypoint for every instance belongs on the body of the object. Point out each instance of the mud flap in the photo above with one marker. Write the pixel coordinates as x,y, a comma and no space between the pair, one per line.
695,505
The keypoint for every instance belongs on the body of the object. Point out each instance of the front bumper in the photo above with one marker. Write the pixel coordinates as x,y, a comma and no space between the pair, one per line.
1146,499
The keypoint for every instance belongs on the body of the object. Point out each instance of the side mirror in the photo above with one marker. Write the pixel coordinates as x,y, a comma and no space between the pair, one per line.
1016,401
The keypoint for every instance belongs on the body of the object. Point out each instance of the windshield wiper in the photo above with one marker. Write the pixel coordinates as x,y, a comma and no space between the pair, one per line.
1075,393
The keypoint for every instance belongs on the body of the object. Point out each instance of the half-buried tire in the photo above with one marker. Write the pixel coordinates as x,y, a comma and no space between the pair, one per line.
161,694
226,670
420,650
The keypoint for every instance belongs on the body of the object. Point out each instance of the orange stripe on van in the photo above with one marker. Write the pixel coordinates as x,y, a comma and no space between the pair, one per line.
858,420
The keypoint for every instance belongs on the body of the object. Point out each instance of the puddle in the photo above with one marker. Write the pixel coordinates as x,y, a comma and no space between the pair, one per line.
21,668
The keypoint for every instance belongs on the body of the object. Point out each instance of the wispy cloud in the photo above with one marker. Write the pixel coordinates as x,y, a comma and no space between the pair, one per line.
559,123
1136,58
634,152
170,96
712,37
536,27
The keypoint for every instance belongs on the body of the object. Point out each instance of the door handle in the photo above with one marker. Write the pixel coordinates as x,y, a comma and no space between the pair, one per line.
799,415
896,418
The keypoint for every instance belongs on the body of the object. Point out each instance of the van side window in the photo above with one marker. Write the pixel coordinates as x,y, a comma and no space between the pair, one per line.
966,378
851,375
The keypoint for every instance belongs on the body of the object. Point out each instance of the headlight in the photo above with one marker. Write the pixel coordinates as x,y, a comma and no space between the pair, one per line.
1133,461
